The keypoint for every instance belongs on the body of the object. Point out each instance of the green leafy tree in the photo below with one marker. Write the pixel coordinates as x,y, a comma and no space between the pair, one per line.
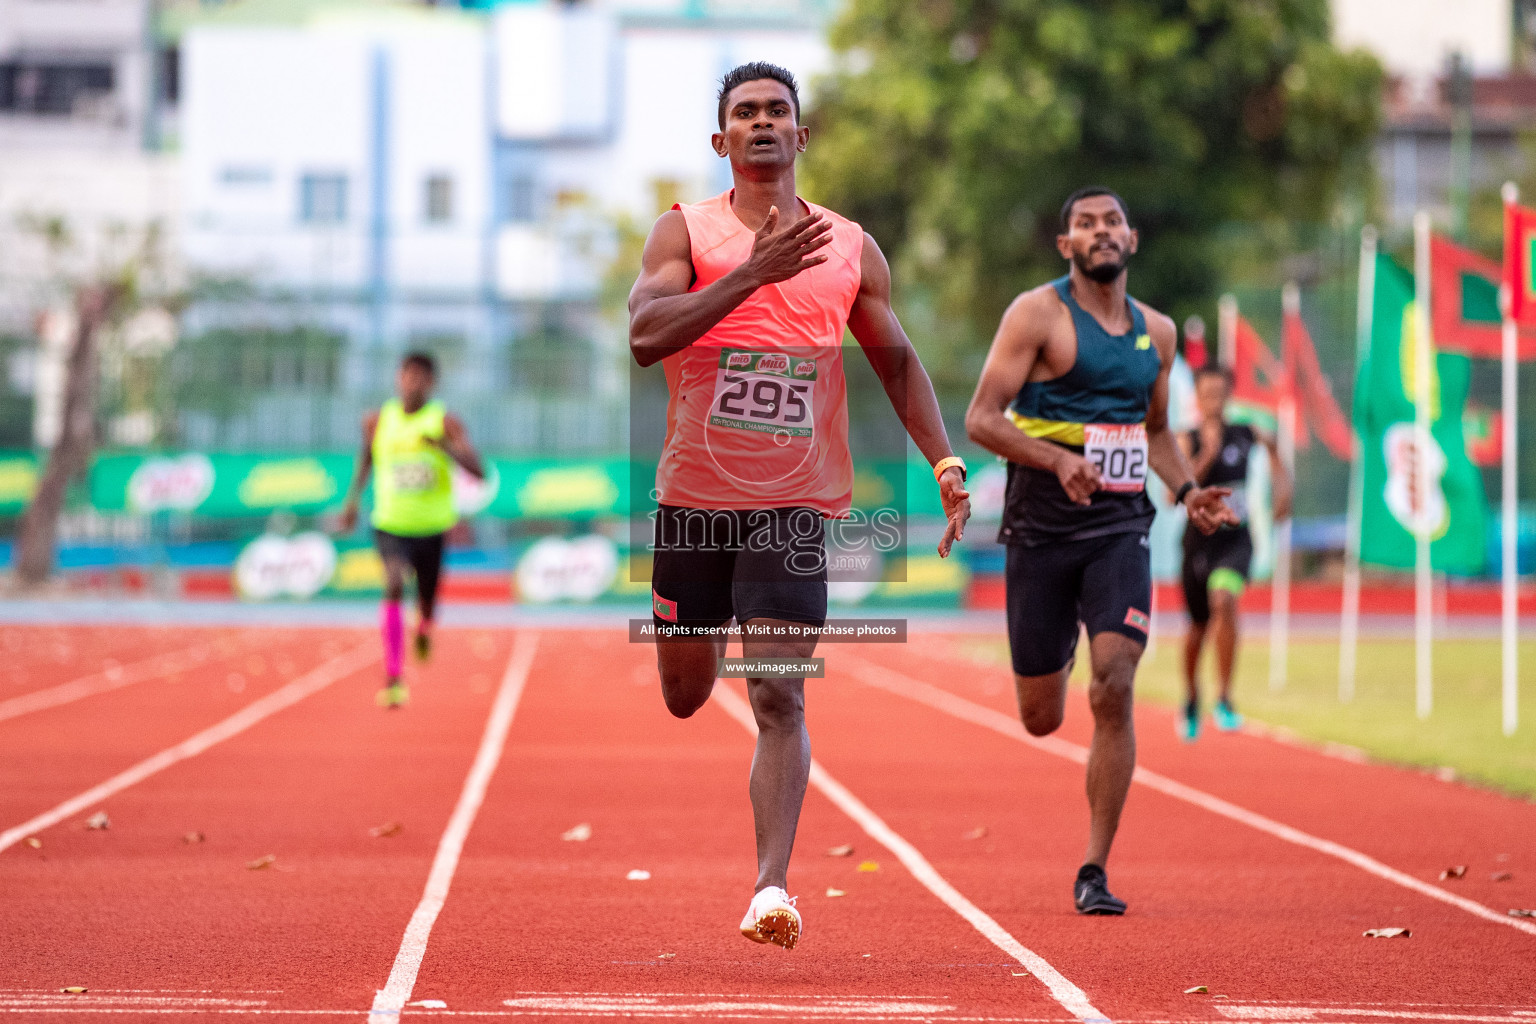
953,130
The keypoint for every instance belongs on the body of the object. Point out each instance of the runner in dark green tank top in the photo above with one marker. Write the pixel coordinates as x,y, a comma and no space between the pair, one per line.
1074,395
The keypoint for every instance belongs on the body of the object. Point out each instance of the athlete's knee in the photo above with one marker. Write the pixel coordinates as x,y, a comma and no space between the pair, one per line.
394,589
777,704
1042,721
1042,708
1111,691
1223,605
683,703
684,693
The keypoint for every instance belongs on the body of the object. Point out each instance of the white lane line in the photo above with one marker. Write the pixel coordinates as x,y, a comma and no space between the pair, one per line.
1072,998
979,714
309,683
105,681
390,1000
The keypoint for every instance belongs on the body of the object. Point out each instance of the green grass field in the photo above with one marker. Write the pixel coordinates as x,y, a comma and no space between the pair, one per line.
1463,732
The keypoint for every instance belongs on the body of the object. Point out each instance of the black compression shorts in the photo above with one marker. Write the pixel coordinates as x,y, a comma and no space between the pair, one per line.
1104,583
1224,549
425,557
712,565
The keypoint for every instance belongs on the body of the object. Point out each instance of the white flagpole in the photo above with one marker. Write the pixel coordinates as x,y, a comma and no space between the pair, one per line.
1349,617
1280,581
1423,580
1226,331
1509,570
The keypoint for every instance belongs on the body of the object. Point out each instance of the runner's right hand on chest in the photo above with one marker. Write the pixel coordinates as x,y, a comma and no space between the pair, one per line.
779,256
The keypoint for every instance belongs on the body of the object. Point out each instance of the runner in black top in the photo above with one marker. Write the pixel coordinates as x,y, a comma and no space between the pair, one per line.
1216,565
1074,395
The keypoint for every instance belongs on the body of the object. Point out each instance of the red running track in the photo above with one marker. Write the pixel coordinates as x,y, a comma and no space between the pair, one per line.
539,927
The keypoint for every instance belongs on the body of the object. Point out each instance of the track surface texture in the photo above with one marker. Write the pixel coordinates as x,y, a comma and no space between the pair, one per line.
279,847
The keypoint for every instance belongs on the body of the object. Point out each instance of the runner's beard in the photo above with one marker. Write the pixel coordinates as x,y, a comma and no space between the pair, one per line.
1103,273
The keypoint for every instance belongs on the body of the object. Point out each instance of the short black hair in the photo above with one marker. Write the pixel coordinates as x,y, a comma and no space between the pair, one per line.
1216,370
1088,192
752,72
422,360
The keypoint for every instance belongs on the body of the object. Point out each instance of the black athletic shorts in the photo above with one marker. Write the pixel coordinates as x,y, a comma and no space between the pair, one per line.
1224,549
424,555
712,565
1104,583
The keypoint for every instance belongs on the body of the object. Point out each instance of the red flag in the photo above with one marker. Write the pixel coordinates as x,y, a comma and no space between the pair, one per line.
1464,304
1520,262
1258,379
1313,395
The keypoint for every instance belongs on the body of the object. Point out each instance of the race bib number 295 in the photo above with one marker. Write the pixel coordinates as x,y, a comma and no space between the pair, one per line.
770,392
1120,453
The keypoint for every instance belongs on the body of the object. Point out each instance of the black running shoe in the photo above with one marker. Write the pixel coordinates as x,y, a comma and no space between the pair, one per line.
1091,893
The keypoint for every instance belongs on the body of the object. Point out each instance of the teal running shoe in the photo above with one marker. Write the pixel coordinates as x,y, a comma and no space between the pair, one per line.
1189,723
1227,720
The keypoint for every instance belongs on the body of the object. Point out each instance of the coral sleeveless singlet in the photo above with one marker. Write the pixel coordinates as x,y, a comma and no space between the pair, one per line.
758,411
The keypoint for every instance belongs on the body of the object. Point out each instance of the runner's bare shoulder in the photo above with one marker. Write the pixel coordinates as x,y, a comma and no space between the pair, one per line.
1030,318
666,265
1160,325
669,235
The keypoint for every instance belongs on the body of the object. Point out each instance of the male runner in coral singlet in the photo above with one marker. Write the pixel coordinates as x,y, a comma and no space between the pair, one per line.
1074,394
407,444
1215,569
743,298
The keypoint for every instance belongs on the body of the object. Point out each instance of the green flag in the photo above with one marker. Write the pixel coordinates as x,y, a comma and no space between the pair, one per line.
1452,510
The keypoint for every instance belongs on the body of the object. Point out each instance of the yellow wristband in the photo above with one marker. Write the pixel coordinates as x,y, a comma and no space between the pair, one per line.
943,464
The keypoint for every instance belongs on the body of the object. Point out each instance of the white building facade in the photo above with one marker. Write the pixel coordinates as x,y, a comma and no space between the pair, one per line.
431,178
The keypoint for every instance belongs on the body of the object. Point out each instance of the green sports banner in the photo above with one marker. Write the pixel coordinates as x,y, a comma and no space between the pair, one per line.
1452,509
245,485
219,485
251,485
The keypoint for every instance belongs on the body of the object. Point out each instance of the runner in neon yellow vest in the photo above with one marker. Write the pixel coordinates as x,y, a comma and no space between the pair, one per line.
410,445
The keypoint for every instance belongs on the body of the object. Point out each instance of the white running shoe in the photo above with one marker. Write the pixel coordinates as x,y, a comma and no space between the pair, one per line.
772,917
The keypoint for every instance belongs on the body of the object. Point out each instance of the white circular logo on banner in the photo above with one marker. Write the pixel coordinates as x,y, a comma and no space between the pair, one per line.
177,484
273,566
567,570
1419,505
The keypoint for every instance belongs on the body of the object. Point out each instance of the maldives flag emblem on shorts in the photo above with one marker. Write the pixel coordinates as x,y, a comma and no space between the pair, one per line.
663,608
1137,619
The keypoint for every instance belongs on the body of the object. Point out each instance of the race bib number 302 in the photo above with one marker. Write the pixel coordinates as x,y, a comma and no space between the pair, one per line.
770,392
1120,453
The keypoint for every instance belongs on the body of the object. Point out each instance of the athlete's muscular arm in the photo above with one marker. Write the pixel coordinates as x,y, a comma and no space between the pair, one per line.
1016,348
1210,447
1281,487
665,317
347,521
889,350
1206,508
455,441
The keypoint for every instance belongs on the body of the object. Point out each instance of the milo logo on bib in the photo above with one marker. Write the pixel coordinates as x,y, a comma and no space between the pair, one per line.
761,426
755,391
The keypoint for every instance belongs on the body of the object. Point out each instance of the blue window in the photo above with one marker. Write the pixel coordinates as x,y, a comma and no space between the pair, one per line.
323,198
